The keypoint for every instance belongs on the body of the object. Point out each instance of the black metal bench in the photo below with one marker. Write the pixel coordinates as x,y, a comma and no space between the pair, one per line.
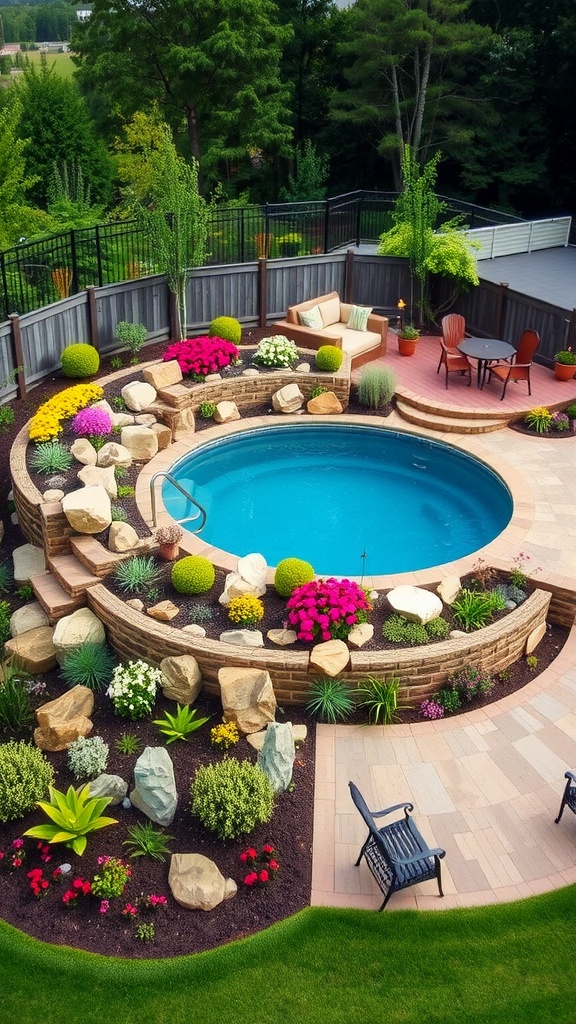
396,854
569,795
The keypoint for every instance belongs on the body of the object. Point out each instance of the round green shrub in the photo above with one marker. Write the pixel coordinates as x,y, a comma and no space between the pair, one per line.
226,327
329,358
231,797
291,573
80,361
193,575
25,775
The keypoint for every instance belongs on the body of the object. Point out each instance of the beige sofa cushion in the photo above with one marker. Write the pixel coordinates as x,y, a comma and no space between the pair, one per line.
353,342
330,311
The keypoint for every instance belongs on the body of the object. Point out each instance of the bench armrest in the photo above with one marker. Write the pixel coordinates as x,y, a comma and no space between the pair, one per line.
434,852
570,775
395,807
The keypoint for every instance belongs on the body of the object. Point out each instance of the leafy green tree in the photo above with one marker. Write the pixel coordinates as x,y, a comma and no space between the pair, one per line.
309,181
213,67
445,252
55,119
408,75
163,191
70,198
18,217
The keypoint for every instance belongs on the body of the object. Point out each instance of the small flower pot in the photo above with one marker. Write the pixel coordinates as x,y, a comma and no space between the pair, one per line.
407,346
169,552
564,371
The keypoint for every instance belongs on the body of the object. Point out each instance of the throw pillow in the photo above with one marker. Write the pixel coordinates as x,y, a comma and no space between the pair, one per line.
311,318
358,320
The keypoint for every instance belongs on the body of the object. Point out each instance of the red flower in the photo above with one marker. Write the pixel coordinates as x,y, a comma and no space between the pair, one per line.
251,879
273,865
263,876
268,848
17,861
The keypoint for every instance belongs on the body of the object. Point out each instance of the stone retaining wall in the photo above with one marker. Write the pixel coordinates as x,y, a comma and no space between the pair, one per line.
421,670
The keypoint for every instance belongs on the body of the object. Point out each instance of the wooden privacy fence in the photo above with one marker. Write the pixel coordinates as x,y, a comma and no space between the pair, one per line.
256,294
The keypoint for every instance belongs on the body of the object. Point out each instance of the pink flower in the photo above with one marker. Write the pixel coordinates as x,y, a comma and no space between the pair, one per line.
129,910
251,879
17,844
104,906
273,865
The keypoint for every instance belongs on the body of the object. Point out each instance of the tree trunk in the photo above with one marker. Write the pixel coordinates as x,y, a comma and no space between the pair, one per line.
194,142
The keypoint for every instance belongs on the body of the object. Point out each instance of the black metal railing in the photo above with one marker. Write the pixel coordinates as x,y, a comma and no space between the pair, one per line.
35,274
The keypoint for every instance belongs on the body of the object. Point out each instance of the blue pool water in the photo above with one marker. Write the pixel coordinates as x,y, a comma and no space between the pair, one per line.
348,499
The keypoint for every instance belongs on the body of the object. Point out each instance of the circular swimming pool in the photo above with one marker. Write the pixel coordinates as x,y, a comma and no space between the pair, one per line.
350,499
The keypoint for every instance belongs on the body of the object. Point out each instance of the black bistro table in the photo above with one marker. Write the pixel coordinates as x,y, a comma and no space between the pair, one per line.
485,351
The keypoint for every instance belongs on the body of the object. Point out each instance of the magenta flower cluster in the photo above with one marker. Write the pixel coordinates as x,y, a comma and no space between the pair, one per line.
91,422
201,356
327,609
431,709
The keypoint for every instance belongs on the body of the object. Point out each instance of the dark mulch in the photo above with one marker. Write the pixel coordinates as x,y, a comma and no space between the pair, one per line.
290,830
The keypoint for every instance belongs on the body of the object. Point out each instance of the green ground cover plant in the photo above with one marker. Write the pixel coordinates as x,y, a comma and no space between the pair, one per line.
510,972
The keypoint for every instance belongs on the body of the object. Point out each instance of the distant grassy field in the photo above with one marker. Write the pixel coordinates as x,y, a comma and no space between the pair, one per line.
62,63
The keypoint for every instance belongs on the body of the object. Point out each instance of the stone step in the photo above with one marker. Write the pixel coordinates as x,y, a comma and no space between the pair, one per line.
435,406
176,395
55,601
447,424
72,576
96,558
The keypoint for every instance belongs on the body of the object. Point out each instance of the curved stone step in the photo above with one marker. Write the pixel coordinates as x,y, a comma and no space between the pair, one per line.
55,601
447,424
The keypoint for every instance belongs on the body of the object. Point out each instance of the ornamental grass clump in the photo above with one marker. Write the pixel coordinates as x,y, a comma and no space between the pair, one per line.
15,709
144,840
137,573
25,776
327,609
275,351
231,797
133,689
474,609
89,665
376,386
330,700
197,357
51,457
380,698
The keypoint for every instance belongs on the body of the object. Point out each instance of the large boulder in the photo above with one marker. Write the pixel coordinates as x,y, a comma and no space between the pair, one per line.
33,651
242,637
329,658
99,476
163,375
276,759
29,616
63,720
181,678
249,578
288,399
138,395
112,786
28,561
415,603
226,412
123,537
141,442
326,404
84,452
248,697
196,883
88,510
154,790
74,630
114,454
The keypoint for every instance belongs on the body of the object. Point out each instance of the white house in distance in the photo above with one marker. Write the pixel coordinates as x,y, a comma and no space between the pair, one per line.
83,13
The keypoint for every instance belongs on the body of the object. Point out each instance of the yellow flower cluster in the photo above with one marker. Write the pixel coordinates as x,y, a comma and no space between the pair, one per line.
224,736
46,425
245,610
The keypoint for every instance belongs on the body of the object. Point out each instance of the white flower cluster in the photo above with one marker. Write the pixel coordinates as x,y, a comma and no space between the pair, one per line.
276,351
133,689
87,757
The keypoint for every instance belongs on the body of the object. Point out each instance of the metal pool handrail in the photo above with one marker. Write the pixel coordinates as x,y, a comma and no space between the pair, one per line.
188,519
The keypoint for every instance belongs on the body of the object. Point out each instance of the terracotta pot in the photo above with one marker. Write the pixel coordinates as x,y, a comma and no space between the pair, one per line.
169,552
564,371
407,346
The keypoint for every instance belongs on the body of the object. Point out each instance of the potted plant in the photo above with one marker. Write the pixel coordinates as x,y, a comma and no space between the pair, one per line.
565,364
290,244
407,339
168,538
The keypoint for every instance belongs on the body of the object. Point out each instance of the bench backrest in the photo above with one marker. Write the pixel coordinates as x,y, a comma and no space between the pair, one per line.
361,805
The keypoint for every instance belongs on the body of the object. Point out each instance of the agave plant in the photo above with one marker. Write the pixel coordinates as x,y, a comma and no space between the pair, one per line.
181,725
75,814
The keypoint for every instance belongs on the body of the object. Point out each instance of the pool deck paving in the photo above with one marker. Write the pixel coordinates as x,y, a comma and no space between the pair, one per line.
485,785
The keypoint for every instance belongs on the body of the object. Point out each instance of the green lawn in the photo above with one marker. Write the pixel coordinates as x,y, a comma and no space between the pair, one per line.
62,63
498,965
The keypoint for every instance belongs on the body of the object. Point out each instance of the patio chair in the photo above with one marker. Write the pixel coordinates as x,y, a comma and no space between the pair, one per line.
569,795
519,368
396,854
453,332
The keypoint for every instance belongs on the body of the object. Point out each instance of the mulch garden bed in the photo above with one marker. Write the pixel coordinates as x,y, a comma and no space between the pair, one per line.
179,931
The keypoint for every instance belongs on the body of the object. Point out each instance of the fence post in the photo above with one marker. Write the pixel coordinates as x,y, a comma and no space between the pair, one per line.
349,276
92,317
500,309
261,291
571,339
4,281
326,224
98,255
74,283
18,355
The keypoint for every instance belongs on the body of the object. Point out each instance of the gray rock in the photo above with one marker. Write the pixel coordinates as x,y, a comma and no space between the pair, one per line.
154,791
276,758
113,786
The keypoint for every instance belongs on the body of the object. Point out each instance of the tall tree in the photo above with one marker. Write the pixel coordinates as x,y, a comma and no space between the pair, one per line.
17,216
404,59
213,66
54,117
